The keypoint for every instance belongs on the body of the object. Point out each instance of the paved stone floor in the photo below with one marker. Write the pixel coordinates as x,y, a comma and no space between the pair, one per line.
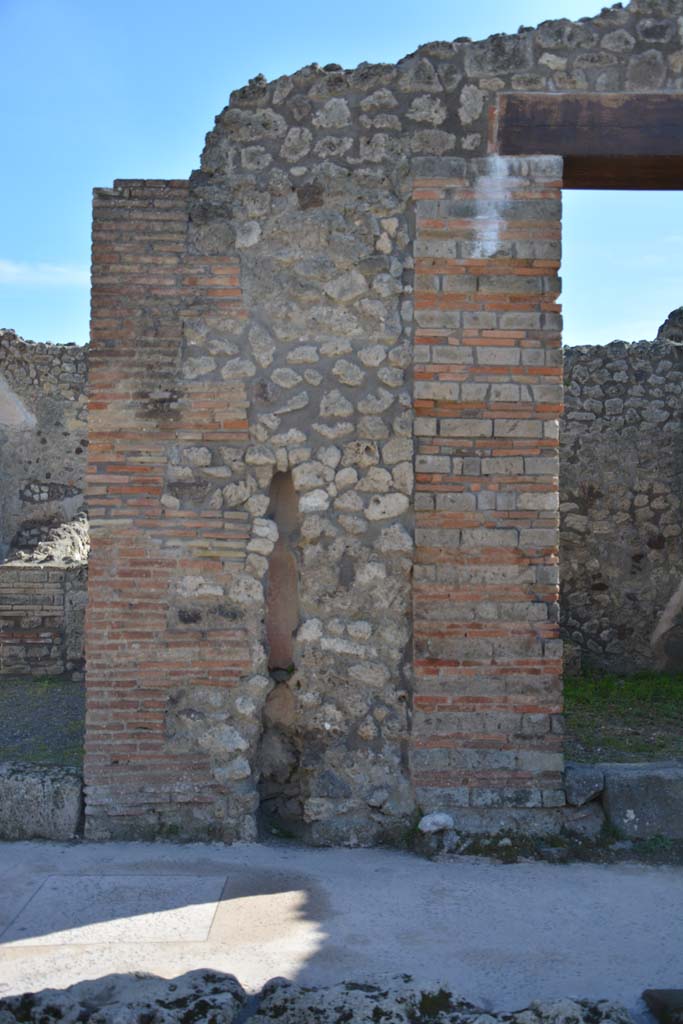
500,935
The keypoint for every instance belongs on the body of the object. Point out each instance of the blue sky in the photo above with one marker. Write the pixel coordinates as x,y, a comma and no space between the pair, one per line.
94,91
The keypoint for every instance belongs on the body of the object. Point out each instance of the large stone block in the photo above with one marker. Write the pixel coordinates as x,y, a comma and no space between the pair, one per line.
583,782
644,800
39,802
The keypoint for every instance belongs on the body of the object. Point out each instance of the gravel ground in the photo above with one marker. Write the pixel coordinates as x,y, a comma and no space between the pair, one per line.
42,721
633,718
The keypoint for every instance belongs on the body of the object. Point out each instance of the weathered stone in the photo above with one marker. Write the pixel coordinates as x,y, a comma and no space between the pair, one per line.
297,144
347,287
498,54
262,345
435,822
619,41
198,366
333,431
402,1001
235,495
404,478
298,401
395,538
372,355
334,405
214,997
40,802
309,475
386,506
330,456
471,104
375,479
345,478
376,403
303,354
644,800
249,232
286,378
334,114
583,782
427,108
398,449
586,822
419,75
347,373
237,369
666,1004
432,140
646,71
373,428
134,998
314,501
360,453
349,502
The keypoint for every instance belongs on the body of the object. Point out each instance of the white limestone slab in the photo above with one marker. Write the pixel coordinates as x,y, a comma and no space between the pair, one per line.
87,909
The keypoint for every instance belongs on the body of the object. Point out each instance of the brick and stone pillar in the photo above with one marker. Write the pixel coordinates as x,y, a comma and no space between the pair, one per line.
487,740
166,648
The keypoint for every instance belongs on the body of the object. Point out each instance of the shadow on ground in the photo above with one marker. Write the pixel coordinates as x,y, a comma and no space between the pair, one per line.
498,935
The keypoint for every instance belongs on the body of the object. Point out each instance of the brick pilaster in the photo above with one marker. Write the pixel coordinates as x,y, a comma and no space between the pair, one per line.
488,393
144,287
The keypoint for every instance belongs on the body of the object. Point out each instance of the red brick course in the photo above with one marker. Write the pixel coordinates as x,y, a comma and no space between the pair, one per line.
143,287
486,726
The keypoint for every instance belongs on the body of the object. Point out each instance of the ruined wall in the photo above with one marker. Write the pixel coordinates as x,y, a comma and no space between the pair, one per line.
42,614
621,548
268,317
43,438
621,482
43,444
43,594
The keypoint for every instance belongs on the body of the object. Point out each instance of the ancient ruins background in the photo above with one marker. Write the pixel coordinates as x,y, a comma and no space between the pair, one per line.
324,391
621,493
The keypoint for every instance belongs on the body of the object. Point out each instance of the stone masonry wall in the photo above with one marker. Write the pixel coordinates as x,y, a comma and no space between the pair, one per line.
621,495
42,610
621,484
43,593
258,335
43,438
621,554
43,444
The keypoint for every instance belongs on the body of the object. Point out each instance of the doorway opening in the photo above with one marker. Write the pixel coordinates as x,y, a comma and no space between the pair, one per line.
621,471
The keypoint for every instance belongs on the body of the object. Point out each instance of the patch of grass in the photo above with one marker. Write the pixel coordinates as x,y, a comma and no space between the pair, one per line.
609,833
658,846
624,718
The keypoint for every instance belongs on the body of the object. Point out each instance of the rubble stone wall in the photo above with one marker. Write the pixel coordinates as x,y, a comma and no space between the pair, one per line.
43,438
43,593
621,496
267,317
43,444
42,611
621,483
